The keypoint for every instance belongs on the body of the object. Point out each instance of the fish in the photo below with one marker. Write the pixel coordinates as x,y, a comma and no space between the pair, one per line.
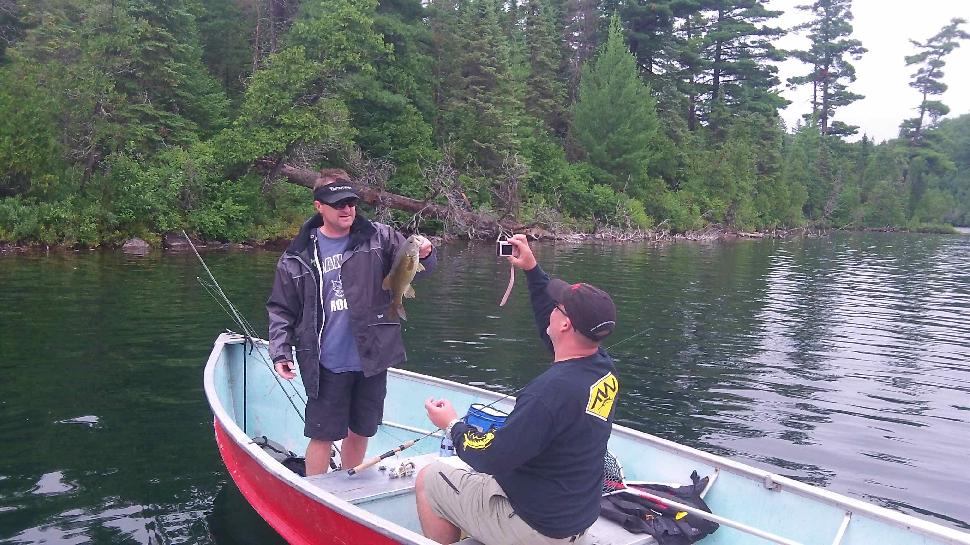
398,281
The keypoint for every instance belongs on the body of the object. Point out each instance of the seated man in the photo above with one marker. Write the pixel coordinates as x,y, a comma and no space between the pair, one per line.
538,479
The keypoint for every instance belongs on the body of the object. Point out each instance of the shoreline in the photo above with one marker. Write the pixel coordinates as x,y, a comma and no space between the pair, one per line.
172,243
176,244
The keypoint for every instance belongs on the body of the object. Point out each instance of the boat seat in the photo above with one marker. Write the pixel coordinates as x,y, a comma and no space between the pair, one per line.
373,485
602,532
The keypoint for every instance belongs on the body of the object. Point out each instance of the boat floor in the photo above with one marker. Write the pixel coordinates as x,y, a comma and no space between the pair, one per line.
376,491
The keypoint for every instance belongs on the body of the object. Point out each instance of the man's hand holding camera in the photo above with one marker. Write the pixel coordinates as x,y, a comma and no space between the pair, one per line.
522,256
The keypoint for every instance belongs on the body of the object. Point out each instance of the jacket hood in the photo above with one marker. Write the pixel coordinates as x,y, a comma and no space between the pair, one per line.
361,230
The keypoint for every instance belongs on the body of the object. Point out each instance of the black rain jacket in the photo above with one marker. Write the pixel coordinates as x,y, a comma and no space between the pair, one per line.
295,305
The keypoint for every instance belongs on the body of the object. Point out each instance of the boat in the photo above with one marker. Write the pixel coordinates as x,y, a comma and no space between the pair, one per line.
254,409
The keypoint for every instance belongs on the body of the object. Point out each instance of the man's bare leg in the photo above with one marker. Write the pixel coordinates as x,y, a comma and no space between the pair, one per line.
317,457
433,526
352,450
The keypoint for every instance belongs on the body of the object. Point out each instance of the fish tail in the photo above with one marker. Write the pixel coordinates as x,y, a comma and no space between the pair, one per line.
399,309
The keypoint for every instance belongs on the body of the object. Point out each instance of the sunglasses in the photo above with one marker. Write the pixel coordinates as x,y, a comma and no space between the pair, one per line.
343,203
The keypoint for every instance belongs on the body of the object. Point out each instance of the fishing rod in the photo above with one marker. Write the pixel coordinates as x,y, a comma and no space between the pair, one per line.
610,347
214,289
405,445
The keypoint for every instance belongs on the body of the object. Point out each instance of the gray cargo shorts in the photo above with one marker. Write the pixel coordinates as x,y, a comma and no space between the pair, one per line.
477,504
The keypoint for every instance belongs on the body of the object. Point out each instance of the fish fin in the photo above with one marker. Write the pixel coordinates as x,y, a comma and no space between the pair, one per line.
409,293
401,313
386,284
419,268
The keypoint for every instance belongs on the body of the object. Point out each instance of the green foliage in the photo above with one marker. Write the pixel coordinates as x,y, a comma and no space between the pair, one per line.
225,33
545,96
828,56
285,105
615,119
884,206
928,77
481,111
115,117
29,151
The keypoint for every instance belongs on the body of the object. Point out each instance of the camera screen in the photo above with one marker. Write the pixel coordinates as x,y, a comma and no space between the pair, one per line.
504,249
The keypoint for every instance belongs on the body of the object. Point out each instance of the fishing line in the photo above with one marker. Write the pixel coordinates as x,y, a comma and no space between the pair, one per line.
216,292
506,396
248,327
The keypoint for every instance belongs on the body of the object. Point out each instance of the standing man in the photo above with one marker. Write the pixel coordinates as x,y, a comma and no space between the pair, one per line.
345,339
537,480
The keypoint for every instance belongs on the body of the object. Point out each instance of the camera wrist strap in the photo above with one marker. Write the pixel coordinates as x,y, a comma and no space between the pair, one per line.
508,290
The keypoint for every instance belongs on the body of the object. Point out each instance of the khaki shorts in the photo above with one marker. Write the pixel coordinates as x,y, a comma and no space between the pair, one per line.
477,504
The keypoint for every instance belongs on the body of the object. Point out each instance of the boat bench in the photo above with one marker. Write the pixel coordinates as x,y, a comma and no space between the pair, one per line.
393,498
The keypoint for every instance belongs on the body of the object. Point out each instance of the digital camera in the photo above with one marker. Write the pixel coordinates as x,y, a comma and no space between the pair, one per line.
503,248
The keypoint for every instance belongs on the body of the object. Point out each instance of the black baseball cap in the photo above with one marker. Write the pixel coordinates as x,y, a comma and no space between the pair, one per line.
335,192
590,309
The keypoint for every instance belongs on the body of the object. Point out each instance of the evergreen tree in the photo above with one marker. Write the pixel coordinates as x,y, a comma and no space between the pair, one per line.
443,16
391,107
615,119
545,94
11,25
740,51
483,111
829,54
926,163
582,24
226,27
928,79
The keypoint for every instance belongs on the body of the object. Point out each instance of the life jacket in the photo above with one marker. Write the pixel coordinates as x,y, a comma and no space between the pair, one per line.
667,524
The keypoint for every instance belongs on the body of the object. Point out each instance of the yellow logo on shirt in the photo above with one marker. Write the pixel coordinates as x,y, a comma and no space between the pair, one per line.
601,396
476,440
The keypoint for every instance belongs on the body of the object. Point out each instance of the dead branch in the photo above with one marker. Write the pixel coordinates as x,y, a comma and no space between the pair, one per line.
476,225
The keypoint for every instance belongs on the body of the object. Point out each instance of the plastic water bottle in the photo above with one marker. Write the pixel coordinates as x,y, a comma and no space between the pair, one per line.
447,447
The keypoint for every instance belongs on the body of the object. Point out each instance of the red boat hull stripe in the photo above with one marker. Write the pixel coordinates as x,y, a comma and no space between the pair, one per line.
300,519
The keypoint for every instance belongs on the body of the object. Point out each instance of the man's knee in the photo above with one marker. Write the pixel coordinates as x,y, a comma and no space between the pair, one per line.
419,486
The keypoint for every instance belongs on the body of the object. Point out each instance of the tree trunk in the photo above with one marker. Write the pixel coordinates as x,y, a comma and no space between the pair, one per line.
475,225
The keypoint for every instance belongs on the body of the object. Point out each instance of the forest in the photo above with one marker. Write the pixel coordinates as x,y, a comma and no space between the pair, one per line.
139,118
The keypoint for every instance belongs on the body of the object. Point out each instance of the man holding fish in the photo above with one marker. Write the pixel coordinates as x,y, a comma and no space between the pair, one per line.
538,479
337,299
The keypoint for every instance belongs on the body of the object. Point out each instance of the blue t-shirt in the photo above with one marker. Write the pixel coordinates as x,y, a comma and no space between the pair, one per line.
338,349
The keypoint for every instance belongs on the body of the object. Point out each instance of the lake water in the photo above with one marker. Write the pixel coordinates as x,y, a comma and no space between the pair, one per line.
841,362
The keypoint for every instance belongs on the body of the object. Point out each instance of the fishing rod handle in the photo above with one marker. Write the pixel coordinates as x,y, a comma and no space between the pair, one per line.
368,463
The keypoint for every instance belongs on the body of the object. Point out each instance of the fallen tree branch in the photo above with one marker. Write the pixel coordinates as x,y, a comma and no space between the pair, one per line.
483,224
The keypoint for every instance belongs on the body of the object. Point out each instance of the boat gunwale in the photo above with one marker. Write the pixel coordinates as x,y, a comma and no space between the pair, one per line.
300,484
852,505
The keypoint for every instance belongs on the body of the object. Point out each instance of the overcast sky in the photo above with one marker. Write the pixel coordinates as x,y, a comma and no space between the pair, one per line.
884,27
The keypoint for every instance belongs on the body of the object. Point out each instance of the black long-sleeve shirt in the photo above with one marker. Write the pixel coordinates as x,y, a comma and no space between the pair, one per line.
548,457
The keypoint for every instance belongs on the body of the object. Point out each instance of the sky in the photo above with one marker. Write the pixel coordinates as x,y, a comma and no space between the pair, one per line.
884,27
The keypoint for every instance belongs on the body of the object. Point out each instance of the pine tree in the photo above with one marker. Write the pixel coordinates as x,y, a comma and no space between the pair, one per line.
928,77
545,95
391,107
225,27
443,17
740,53
615,119
11,25
581,23
829,56
483,111
925,161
